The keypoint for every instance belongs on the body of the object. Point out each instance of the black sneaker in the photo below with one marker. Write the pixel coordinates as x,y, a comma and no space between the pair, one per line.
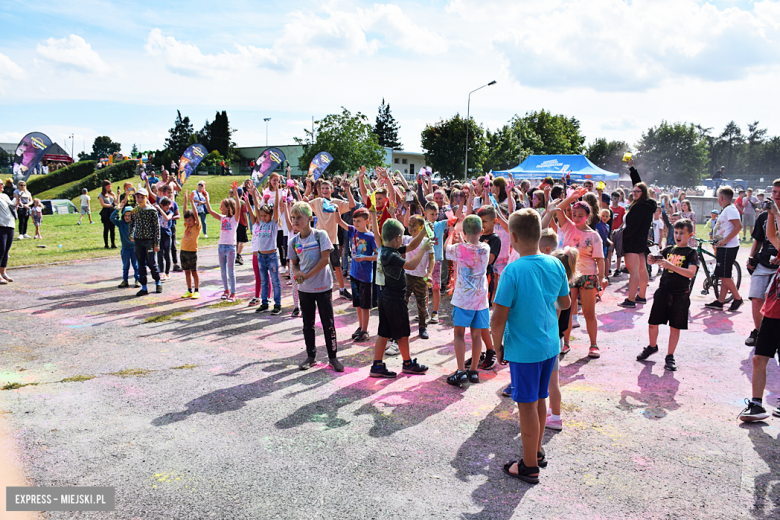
142,292
628,304
776,413
295,313
481,359
424,334
473,376
277,310
669,363
646,353
716,305
176,268
736,304
239,260
158,288
459,378
357,333
413,368
262,308
753,412
307,364
344,293
124,284
381,371
336,364
363,336
752,339
639,299
488,361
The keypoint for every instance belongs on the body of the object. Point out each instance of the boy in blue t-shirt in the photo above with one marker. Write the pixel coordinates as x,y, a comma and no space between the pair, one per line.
362,246
531,290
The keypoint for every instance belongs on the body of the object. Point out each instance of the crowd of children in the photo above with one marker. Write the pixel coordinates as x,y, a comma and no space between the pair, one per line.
550,255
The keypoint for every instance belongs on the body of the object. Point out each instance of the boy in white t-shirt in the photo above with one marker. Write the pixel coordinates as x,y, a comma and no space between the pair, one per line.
729,226
470,296
85,210
416,279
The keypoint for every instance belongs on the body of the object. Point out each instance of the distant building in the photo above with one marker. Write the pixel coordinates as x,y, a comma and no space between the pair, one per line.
408,163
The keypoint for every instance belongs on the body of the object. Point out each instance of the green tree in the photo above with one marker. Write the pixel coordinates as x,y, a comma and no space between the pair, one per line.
386,128
729,146
221,137
4,159
179,138
444,146
204,135
607,154
349,138
102,147
673,154
543,133
134,151
502,149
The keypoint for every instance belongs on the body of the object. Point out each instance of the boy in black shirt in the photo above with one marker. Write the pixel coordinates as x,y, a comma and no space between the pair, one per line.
393,311
672,299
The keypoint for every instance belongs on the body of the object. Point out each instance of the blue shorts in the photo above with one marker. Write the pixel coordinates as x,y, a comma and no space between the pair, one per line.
531,381
471,319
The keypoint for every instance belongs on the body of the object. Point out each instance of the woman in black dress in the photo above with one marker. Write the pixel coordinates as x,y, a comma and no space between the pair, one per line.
639,218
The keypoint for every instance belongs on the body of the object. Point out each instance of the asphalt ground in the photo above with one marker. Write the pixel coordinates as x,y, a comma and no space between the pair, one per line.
206,415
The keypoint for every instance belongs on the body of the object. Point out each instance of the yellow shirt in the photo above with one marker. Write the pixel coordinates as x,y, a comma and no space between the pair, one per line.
189,242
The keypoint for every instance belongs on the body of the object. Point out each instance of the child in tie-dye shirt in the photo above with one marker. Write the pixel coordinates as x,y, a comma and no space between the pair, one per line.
470,297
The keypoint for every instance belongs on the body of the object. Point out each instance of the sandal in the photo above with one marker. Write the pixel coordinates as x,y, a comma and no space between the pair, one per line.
594,352
224,295
565,348
523,473
541,458
8,278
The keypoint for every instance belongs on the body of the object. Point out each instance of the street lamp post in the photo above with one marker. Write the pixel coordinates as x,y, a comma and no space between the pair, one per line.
266,119
72,144
468,119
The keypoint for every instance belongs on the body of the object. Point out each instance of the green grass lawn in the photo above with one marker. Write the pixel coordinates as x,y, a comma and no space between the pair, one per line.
86,241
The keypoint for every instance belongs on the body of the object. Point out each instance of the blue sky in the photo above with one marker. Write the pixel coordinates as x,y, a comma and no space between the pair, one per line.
122,69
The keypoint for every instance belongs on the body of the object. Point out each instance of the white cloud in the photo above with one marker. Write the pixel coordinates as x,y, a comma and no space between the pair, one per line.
612,45
73,52
307,38
188,60
9,69
619,124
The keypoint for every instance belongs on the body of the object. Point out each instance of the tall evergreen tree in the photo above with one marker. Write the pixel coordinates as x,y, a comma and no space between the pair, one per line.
221,134
180,134
204,135
386,128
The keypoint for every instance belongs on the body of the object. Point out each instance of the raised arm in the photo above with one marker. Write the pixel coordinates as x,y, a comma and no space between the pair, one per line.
415,243
362,184
276,205
211,211
424,249
635,178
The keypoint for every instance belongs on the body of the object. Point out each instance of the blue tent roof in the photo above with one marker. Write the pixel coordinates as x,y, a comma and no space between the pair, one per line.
540,166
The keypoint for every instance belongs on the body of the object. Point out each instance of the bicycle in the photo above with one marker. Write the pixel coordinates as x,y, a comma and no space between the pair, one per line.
710,280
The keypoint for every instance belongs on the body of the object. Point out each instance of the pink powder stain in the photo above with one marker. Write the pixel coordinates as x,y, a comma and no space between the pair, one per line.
133,390
642,461
215,369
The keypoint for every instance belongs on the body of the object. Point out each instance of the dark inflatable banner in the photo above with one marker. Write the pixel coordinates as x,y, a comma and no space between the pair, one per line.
189,161
29,153
321,161
268,161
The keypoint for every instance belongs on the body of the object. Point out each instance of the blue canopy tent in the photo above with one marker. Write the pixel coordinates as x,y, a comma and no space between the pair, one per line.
555,166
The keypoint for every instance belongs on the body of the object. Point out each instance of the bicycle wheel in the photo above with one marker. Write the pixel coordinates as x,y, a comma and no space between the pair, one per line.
736,275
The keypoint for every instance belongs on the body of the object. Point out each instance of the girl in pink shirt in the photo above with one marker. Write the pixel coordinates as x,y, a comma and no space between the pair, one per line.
590,263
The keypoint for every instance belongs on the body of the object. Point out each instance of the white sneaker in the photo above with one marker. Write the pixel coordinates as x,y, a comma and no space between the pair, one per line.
27,236
392,349
575,324
20,237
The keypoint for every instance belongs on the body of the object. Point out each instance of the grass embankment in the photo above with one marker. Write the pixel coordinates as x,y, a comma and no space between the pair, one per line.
86,241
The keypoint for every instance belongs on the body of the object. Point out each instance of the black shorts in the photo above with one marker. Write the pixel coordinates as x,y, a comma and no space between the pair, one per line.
361,294
189,260
241,234
725,256
768,342
335,257
393,317
670,308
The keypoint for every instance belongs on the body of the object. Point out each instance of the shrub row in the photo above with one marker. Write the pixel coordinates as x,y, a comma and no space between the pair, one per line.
74,172
114,173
